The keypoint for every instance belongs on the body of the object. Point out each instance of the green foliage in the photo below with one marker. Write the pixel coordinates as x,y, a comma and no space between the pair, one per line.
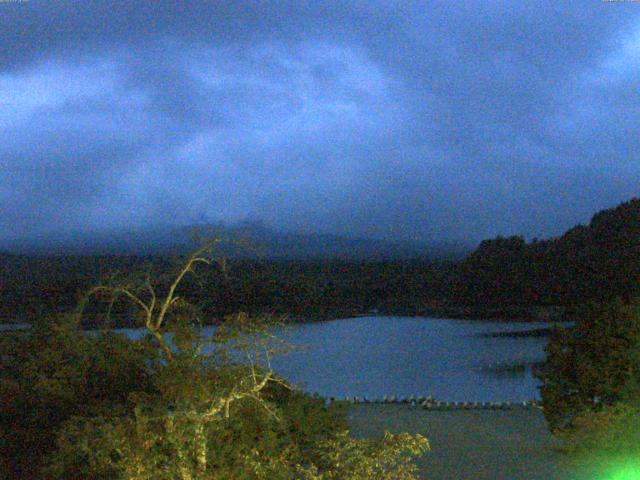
389,458
275,433
77,406
161,443
54,371
593,365
495,273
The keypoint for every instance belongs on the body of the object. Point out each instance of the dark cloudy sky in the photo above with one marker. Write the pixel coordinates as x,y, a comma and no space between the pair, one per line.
426,120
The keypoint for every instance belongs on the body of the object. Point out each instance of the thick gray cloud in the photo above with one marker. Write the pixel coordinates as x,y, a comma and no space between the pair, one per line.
428,120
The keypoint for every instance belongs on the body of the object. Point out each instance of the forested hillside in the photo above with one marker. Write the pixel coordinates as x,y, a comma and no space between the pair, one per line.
309,289
599,261
594,262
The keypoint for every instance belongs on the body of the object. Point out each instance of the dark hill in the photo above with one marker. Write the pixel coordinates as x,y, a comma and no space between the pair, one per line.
598,261
265,242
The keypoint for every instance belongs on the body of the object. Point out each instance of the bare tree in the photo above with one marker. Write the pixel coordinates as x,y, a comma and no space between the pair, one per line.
156,308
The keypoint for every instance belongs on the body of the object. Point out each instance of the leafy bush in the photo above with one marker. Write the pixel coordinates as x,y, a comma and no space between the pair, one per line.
55,371
178,433
389,458
591,366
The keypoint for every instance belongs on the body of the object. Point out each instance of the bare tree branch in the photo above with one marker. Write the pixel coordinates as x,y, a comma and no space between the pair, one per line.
154,320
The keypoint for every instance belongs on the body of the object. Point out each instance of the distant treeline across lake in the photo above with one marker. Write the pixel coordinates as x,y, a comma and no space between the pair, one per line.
503,278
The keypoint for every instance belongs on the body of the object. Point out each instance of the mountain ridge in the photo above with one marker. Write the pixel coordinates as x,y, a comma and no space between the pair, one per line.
265,242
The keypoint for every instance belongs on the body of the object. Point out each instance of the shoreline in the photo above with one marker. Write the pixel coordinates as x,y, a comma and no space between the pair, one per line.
475,314
503,313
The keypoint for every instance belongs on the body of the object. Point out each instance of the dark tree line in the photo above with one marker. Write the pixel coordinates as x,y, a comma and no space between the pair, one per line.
304,289
597,262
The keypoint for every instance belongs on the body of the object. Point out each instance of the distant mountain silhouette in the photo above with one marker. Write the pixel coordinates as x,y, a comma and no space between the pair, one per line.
502,277
261,241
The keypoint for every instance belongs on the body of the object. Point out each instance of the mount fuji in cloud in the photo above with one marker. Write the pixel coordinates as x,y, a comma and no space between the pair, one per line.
262,241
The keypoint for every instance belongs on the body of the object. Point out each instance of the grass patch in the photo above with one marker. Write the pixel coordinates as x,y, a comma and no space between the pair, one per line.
475,444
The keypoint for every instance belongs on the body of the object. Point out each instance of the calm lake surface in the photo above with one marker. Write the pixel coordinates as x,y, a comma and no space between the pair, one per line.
405,356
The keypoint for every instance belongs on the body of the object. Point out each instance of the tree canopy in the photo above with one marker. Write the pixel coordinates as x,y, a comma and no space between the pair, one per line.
592,365
104,406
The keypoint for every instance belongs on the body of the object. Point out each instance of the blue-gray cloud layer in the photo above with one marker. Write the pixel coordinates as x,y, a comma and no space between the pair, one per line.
433,120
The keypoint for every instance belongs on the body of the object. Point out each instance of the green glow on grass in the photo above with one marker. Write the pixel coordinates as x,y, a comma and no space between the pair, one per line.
626,470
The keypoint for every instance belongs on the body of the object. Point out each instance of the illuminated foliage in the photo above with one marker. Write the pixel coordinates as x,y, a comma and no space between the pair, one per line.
106,407
390,458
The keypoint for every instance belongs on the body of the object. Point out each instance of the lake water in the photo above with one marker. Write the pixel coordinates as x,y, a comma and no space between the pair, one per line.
405,356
